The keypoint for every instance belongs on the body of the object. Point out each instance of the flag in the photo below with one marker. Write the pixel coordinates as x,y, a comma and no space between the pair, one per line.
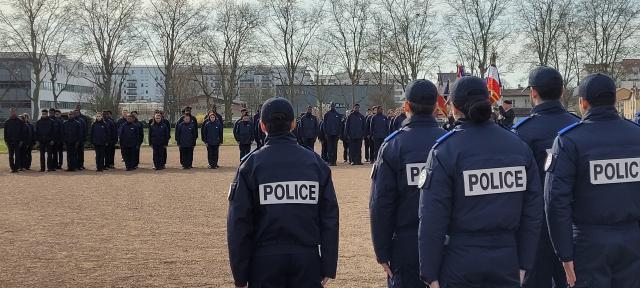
493,84
442,105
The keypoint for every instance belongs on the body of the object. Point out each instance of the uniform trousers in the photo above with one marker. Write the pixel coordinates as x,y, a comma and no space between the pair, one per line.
212,154
186,157
355,150
286,271
100,157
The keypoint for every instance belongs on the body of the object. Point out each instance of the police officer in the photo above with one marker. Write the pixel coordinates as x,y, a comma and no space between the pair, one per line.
488,207
282,226
591,192
332,122
308,129
354,130
129,135
45,134
100,138
394,190
110,150
72,131
186,135
507,115
367,142
187,111
539,130
379,130
213,136
243,133
159,135
13,133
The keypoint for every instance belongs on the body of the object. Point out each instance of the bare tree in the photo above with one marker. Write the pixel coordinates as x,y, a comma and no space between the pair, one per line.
29,27
609,28
348,34
230,45
543,21
289,29
109,35
565,56
174,27
377,58
411,37
478,27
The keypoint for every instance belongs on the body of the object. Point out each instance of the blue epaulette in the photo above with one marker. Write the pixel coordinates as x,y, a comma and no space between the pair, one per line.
569,128
522,121
445,137
392,135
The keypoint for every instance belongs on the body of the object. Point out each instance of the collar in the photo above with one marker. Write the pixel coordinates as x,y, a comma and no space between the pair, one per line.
280,138
470,124
420,120
548,107
601,113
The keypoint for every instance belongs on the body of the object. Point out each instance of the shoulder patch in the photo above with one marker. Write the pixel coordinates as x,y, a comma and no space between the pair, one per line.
569,128
522,121
392,135
445,137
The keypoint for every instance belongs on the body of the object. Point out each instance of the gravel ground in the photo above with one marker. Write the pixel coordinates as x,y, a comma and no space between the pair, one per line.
148,228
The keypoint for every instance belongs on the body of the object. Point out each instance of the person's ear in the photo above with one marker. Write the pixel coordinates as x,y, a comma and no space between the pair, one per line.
263,127
406,107
293,126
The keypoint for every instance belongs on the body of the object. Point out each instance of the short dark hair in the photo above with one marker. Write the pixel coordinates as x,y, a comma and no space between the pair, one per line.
278,124
421,109
507,102
44,111
549,93
604,99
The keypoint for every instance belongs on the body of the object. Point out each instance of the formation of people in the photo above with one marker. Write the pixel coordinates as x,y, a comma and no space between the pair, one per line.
552,202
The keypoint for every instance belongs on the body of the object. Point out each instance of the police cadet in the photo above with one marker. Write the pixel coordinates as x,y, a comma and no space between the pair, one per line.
84,121
379,130
186,135
591,192
121,121
366,140
128,134
213,136
60,138
100,133
282,226
243,133
13,138
45,134
344,138
257,132
308,129
159,135
72,131
487,206
332,122
110,150
136,151
394,188
187,111
354,130
539,130
29,140
323,143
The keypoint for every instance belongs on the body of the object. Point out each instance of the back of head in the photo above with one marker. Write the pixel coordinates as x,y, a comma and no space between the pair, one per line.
277,115
422,96
547,82
598,89
471,96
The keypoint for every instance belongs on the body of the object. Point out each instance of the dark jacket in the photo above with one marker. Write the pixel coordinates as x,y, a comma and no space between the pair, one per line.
308,128
113,130
100,133
72,131
45,130
129,135
332,123
29,134
257,131
159,134
186,134
379,126
507,117
243,133
13,131
354,126
212,133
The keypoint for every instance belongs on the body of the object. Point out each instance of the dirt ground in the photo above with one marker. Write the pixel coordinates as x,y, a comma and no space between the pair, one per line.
148,228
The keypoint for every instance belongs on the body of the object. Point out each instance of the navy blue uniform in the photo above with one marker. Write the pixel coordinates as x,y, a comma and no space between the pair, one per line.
29,139
308,129
186,135
212,135
243,133
129,134
282,226
345,140
355,132
110,150
72,135
368,143
332,123
487,198
100,138
379,130
13,131
257,132
592,200
45,133
396,124
395,196
159,135
84,122
323,143
538,131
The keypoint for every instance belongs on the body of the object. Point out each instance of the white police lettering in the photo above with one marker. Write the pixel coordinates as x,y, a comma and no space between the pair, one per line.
614,171
495,180
413,173
292,192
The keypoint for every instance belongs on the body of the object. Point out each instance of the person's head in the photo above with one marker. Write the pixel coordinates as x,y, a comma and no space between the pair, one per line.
356,107
98,116
58,113
374,109
21,117
71,115
52,112
13,112
420,98
507,104
130,118
187,118
332,105
157,118
44,113
276,116
25,116
470,99
243,111
245,118
212,117
369,111
596,90
309,109
379,110
77,108
134,114
545,84
125,113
